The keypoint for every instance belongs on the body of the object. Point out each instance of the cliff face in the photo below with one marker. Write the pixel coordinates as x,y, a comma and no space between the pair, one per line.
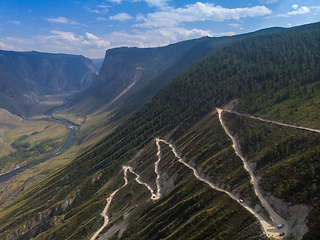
115,76
125,71
26,76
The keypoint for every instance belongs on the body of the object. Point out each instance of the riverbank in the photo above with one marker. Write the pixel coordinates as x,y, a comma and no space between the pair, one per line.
14,181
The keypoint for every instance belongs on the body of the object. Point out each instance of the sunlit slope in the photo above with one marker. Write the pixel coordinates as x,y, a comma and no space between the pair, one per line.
70,201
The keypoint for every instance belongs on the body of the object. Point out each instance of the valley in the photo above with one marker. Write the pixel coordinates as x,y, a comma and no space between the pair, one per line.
221,141
40,130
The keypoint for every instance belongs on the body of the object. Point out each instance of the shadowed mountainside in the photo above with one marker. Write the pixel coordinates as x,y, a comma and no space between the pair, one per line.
26,76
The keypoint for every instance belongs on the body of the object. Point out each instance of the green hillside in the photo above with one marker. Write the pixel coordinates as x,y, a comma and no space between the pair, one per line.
129,77
265,73
196,50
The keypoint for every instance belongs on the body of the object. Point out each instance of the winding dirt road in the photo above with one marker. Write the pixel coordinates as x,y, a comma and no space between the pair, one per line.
156,169
275,122
263,222
109,199
268,228
154,196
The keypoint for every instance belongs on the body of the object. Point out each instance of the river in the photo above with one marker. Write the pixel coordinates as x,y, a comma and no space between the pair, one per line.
48,117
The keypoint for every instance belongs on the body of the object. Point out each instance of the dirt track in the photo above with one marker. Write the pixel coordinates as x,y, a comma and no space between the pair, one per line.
275,122
268,228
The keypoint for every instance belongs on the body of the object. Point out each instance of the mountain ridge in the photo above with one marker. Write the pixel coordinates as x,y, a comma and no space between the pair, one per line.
27,76
118,92
286,160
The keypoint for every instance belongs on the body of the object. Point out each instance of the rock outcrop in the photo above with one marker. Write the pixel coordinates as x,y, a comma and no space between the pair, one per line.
43,220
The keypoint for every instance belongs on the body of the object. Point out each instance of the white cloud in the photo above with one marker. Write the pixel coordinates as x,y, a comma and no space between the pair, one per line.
140,17
120,17
92,10
69,39
100,19
151,3
157,3
59,42
90,36
64,35
224,34
103,9
62,20
236,25
68,42
282,15
301,10
103,6
14,22
115,1
155,37
4,46
317,8
199,12
17,40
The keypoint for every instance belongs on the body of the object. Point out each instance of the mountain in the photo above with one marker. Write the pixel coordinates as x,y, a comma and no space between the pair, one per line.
26,76
133,75
174,169
201,48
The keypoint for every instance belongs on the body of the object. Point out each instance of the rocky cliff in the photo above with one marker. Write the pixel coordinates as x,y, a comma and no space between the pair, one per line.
127,70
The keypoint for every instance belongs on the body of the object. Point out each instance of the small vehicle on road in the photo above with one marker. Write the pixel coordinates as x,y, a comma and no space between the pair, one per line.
241,200
281,234
280,226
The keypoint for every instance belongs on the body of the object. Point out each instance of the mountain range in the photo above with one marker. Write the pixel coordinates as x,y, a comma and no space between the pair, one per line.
217,138
25,77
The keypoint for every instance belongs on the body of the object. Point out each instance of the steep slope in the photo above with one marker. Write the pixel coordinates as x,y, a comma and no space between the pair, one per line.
131,76
15,95
125,71
201,48
68,204
27,76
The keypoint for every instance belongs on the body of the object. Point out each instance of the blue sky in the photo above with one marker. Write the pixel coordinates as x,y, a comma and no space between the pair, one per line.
89,28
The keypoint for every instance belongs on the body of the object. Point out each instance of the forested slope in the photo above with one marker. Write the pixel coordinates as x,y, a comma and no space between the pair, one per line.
263,72
129,77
